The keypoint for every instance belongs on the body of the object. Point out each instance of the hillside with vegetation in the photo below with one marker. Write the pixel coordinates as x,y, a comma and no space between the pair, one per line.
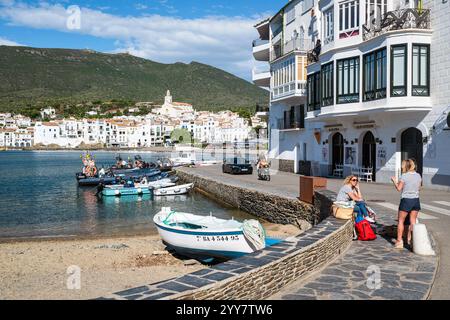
74,80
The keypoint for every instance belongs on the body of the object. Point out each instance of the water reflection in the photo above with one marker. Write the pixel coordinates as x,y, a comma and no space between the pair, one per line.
40,197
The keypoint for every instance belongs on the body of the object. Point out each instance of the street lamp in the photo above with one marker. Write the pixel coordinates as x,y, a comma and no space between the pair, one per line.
257,140
235,150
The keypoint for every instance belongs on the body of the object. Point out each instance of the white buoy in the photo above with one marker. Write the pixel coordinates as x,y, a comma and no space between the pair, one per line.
421,241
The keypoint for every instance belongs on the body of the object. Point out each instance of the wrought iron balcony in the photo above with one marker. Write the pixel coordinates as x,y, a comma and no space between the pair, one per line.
398,20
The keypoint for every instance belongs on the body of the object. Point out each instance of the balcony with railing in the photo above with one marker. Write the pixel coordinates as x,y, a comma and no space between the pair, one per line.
314,53
262,111
293,45
261,76
293,120
403,19
261,49
289,90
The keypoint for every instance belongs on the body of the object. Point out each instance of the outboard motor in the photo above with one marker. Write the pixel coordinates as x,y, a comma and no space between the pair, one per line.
100,188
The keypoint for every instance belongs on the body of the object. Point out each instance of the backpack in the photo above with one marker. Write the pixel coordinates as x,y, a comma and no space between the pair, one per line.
365,231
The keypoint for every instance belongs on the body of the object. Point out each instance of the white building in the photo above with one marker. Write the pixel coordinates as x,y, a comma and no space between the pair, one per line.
48,113
7,137
47,133
376,91
174,109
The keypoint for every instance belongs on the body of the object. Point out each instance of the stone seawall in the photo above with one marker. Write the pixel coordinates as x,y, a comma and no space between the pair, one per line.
261,274
270,207
264,281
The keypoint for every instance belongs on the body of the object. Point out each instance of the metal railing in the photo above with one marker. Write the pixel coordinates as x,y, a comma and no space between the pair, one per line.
260,70
397,20
298,44
259,42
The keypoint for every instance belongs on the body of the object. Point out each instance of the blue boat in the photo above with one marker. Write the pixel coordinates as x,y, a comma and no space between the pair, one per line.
83,180
126,190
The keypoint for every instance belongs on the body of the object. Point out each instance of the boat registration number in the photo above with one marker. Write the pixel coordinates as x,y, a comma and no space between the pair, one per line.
217,238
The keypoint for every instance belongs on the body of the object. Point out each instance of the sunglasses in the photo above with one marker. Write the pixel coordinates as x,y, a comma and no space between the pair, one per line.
354,180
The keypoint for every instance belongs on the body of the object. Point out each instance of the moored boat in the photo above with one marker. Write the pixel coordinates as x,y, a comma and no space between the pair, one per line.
120,191
176,190
206,237
165,183
94,181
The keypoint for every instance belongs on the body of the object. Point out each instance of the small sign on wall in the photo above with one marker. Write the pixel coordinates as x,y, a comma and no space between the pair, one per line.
324,154
431,151
381,156
350,154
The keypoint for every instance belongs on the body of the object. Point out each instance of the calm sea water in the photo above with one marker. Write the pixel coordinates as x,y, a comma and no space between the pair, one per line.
39,197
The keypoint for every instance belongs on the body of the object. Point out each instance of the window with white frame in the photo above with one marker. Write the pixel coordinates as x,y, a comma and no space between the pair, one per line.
283,73
290,15
328,25
307,4
348,18
375,10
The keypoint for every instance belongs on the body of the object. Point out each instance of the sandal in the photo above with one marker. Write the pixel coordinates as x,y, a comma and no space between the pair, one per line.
399,245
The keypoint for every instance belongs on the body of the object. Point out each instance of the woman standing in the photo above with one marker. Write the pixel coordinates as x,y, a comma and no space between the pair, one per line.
409,185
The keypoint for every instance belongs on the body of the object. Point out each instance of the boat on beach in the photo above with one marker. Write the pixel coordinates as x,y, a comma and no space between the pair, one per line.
176,190
208,237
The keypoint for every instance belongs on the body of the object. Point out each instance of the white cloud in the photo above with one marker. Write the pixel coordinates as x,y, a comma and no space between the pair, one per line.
224,42
6,42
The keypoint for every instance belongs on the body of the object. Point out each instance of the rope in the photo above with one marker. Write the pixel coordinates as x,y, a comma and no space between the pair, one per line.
254,233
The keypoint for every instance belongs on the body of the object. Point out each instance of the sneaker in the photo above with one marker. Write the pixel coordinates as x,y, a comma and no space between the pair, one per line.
370,219
398,245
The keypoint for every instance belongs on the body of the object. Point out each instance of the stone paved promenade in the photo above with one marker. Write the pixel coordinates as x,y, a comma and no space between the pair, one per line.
403,275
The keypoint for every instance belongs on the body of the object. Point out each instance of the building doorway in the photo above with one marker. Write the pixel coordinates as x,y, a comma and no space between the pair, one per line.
337,150
412,147
369,153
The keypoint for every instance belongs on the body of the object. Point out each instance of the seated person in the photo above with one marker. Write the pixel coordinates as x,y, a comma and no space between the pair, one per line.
262,163
350,191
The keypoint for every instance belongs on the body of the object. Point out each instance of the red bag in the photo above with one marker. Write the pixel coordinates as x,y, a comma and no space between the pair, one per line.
365,231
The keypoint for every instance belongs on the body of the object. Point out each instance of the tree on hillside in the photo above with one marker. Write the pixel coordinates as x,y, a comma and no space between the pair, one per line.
181,135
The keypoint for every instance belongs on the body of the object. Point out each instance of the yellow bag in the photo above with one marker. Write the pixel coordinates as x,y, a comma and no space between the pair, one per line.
342,213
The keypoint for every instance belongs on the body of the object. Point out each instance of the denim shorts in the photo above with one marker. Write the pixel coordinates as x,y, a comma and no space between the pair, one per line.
409,205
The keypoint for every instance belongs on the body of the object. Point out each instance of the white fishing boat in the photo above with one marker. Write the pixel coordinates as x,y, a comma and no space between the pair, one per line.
206,237
172,191
158,184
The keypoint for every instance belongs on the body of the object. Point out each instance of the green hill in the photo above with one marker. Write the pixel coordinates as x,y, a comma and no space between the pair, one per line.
31,77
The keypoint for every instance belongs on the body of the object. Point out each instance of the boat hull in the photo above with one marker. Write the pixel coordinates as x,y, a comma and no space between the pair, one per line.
172,191
96,181
205,245
121,192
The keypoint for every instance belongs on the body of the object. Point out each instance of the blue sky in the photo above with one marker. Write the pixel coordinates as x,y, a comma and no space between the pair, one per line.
215,32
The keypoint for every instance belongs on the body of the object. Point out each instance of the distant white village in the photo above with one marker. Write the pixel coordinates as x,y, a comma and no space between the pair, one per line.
153,129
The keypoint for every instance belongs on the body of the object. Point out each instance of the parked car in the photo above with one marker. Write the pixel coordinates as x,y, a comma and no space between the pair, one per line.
238,166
